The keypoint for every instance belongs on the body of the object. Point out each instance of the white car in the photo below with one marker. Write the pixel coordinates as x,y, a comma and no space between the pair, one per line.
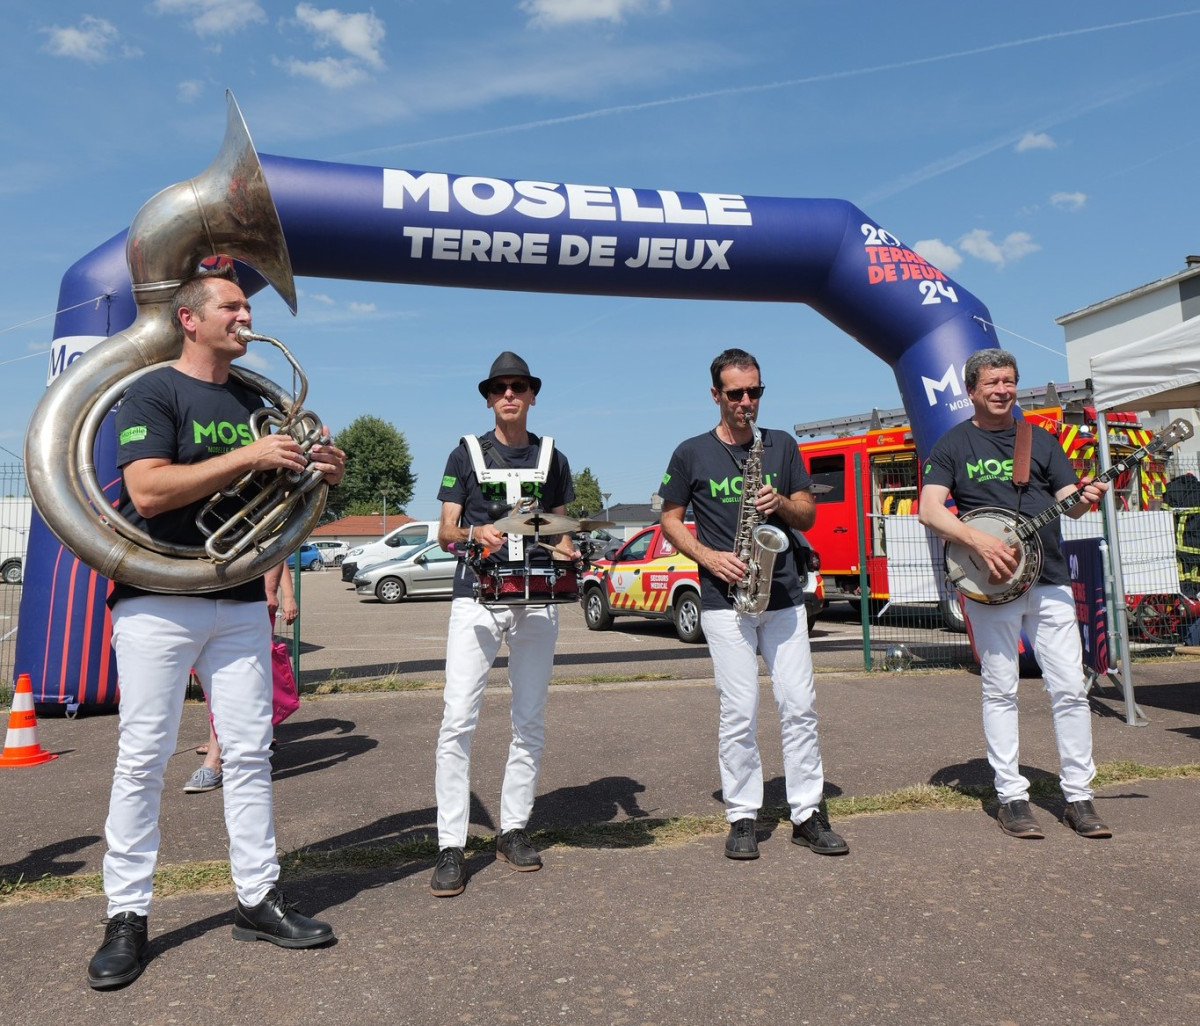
332,550
427,570
388,547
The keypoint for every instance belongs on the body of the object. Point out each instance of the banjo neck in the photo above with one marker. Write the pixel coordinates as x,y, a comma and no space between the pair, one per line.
1175,433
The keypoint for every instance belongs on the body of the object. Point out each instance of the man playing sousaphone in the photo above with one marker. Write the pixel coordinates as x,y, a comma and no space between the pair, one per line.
974,462
484,478
170,466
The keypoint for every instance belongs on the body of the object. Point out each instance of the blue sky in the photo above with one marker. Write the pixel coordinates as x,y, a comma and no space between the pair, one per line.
1042,154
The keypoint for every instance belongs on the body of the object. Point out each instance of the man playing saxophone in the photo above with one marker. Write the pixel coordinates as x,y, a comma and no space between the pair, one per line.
735,478
182,434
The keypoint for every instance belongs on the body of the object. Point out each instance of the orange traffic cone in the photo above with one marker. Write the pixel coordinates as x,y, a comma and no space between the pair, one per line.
21,746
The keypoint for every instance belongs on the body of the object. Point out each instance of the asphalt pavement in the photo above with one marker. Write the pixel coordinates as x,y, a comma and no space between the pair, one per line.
935,916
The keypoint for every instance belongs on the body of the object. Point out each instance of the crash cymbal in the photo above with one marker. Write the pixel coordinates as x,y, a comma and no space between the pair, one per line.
537,523
595,525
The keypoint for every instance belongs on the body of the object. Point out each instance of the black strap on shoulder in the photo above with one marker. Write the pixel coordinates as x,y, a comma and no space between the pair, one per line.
488,447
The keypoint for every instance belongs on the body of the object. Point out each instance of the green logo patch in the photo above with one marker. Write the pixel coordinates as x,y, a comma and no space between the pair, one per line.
448,481
132,434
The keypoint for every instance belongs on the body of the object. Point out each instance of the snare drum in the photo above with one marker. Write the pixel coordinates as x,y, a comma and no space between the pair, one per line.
516,584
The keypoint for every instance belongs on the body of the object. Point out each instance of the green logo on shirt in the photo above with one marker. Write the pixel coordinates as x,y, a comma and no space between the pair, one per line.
133,434
990,470
448,481
223,431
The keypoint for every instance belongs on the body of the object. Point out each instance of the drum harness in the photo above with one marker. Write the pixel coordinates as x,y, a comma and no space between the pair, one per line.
513,477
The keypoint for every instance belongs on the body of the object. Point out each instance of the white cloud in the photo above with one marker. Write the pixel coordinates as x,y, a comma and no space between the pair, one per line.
1015,245
316,297
1035,141
334,72
189,90
549,13
360,35
213,17
362,308
93,40
941,254
1071,201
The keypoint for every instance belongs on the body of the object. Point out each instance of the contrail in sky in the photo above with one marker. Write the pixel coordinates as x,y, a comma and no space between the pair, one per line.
764,87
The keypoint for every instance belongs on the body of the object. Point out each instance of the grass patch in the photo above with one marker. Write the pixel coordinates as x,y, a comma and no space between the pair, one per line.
199,877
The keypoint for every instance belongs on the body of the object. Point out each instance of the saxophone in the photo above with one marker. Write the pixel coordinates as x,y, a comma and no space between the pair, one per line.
755,542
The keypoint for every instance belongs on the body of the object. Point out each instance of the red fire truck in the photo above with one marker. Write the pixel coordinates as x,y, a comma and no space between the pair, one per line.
865,470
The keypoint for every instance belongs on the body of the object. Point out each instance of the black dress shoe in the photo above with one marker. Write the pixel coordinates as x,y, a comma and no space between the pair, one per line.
515,848
1081,817
741,842
449,874
1016,820
119,959
816,833
275,919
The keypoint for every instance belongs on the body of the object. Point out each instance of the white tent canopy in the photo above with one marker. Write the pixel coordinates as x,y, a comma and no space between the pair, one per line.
1161,372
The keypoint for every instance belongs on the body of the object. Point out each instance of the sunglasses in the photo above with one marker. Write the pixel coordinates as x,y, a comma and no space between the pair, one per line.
734,395
498,388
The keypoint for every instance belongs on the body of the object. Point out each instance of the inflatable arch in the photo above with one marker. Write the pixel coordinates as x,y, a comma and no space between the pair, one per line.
423,227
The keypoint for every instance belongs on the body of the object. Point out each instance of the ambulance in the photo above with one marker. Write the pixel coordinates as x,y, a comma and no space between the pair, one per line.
649,577
867,480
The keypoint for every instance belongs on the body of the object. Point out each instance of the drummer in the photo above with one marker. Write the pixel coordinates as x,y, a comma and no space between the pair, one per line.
486,480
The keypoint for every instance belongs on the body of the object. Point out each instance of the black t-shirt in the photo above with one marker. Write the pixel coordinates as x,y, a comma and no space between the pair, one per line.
976,465
168,415
460,486
706,474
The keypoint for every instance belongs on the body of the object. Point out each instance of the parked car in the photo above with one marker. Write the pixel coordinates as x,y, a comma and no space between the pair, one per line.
427,570
604,544
387,547
649,577
309,556
333,551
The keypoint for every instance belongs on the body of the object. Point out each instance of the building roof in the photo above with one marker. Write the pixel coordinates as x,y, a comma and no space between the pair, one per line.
630,513
1191,271
372,525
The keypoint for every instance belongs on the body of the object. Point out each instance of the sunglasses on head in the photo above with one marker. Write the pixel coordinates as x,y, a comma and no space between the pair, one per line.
498,388
734,395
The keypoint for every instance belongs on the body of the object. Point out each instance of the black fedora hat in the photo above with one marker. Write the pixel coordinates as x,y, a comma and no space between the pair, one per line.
509,365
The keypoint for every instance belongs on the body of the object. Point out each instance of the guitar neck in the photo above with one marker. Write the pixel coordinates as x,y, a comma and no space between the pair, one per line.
1032,524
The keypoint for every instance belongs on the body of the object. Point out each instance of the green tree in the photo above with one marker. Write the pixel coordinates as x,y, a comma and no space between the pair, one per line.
378,468
588,502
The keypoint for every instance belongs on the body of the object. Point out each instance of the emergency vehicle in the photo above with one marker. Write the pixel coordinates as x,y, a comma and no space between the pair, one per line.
649,577
865,470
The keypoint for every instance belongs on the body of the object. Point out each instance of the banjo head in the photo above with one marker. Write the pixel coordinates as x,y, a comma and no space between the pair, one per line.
971,576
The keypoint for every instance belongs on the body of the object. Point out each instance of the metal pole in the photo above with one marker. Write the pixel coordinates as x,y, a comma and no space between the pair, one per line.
1120,611
864,580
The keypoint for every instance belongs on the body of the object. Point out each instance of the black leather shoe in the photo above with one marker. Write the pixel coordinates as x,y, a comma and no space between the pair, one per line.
1016,820
1081,817
741,842
119,959
816,833
514,847
449,874
275,919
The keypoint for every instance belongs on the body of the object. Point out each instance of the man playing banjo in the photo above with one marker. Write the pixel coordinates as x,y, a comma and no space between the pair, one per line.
974,462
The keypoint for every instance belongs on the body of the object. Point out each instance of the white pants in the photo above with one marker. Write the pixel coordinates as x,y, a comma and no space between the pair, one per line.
1047,615
734,641
473,642
158,639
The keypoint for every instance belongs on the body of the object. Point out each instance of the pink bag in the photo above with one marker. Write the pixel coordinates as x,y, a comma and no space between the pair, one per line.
285,699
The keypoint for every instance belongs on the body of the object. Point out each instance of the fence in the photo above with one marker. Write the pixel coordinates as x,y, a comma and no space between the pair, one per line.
920,624
15,512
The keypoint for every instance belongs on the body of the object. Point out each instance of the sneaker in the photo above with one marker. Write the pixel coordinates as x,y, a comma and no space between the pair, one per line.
1081,817
119,959
275,919
1016,820
515,848
449,873
816,833
741,842
204,779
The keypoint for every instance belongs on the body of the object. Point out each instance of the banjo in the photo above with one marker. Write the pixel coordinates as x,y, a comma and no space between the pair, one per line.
973,577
